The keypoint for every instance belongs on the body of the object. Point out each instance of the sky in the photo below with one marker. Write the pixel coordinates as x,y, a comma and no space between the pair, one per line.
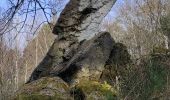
3,4
112,14
113,11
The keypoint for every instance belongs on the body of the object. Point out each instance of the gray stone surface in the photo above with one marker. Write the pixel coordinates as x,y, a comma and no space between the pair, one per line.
58,53
80,60
82,18
46,88
78,19
89,60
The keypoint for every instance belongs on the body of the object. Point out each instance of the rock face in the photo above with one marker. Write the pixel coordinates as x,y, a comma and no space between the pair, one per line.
73,61
45,89
89,60
79,18
73,66
56,55
48,88
118,64
93,90
84,60
82,18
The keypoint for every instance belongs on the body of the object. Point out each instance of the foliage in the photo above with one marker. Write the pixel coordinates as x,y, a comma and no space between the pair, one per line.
54,88
138,25
15,68
96,90
165,24
149,79
36,49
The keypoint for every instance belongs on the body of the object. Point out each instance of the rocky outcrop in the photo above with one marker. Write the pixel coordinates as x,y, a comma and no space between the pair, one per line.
82,18
117,65
56,55
45,89
79,18
89,60
94,90
48,88
84,60
73,65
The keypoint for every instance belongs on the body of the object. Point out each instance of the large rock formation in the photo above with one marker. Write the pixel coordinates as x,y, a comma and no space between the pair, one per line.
48,88
82,18
82,60
88,61
45,89
79,17
74,61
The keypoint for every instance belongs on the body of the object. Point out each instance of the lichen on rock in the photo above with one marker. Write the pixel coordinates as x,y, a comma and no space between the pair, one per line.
82,18
94,90
46,88
56,89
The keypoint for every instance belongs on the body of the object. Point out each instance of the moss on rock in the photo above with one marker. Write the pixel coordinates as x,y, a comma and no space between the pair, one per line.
93,90
48,88
45,89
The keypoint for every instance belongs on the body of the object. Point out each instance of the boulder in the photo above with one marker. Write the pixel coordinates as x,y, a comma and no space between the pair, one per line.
73,60
119,55
58,53
118,64
71,55
45,89
82,18
89,60
48,88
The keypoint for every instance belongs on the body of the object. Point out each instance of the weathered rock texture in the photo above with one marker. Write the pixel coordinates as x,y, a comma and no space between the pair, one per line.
67,53
82,17
58,53
56,89
88,61
84,60
118,64
93,90
45,89
72,66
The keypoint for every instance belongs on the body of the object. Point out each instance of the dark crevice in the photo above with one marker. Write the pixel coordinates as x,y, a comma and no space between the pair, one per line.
68,74
89,11
77,93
